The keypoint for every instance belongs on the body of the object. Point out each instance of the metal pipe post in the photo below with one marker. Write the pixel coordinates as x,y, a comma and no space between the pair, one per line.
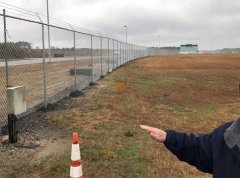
74,53
131,57
113,54
134,51
92,56
128,51
120,53
101,56
108,56
117,53
44,68
12,128
125,52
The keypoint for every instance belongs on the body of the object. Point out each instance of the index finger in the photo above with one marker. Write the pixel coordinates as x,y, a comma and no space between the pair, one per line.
148,128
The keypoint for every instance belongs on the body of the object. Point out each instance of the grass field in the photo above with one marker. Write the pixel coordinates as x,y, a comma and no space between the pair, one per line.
189,93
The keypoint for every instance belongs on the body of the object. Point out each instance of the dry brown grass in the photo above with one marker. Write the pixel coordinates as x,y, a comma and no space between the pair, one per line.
189,93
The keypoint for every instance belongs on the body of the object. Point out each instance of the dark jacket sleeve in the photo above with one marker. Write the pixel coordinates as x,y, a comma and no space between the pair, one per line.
196,151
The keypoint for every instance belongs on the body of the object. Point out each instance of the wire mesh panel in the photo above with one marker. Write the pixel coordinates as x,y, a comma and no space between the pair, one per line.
130,53
111,59
83,60
123,53
3,98
60,80
74,60
104,56
131,57
96,58
25,58
115,53
126,51
137,51
133,51
118,54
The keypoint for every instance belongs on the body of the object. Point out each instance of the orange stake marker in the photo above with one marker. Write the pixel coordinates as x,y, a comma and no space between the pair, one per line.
120,86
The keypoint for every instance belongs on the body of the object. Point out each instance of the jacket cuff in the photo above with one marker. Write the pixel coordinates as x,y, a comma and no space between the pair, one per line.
170,139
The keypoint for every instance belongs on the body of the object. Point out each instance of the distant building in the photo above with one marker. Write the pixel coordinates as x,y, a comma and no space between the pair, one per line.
188,48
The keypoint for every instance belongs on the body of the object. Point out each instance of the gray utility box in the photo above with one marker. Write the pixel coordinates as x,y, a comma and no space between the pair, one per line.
16,100
81,71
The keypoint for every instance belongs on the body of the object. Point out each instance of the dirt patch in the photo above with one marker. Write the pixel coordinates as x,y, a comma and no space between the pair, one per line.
37,138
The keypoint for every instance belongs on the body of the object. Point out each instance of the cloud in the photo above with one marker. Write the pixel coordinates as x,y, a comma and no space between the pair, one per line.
176,22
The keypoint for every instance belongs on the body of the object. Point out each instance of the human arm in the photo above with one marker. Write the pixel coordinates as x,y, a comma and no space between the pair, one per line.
194,150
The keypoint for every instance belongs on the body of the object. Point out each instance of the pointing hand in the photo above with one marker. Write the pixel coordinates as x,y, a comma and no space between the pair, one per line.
155,133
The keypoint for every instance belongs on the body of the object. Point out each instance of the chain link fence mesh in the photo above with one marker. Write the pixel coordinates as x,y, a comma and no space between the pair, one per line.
83,61
3,104
111,56
24,59
104,56
96,57
59,79
74,60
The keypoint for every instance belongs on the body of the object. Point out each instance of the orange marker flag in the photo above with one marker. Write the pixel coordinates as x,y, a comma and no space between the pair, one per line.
120,86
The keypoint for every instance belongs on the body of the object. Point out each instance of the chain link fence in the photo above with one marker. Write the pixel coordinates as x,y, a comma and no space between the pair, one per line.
75,58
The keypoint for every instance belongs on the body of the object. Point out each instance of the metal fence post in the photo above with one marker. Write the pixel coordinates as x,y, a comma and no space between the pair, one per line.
117,53
120,54
125,53
44,68
44,64
131,53
74,53
101,56
134,52
92,57
108,56
130,49
5,47
113,54
128,53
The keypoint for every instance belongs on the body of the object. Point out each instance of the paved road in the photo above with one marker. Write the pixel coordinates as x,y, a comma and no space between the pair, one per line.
13,62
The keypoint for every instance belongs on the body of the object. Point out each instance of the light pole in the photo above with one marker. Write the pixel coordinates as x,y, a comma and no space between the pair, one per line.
126,32
49,48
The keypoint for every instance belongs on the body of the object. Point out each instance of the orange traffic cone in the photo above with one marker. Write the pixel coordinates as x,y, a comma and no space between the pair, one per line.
76,167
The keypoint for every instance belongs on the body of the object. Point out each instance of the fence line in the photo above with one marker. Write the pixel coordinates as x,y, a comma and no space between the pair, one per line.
76,59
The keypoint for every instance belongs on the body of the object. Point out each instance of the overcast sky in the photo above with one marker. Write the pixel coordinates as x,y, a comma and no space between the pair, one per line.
212,24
